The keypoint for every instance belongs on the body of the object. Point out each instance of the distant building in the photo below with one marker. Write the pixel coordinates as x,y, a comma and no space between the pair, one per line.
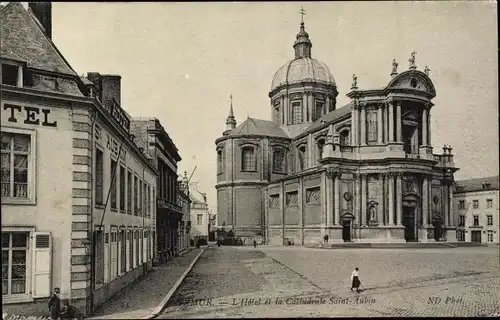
185,202
476,204
199,213
151,136
212,230
77,192
363,172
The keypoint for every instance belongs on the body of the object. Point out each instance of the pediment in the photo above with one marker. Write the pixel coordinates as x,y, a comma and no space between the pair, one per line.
413,80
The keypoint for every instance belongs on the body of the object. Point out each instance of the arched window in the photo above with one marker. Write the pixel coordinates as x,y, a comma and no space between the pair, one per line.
220,161
344,138
302,158
296,112
371,121
320,143
278,160
278,113
248,159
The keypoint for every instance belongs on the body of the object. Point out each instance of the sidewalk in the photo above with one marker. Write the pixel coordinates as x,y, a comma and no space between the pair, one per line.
141,299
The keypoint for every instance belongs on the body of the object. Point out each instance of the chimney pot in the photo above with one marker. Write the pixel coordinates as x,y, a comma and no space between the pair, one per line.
43,12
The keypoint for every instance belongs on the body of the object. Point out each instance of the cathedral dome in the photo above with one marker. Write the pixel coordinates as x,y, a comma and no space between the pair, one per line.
304,69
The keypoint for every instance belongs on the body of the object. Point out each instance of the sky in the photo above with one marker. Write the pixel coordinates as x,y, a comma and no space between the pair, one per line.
179,62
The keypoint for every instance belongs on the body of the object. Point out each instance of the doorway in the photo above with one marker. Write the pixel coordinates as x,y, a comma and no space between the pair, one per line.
346,230
438,229
409,223
475,236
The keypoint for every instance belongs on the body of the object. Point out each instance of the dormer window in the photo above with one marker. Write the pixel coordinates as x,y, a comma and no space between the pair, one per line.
12,75
320,144
486,186
302,158
278,160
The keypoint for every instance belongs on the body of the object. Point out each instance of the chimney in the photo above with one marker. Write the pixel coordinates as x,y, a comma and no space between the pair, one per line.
111,87
43,12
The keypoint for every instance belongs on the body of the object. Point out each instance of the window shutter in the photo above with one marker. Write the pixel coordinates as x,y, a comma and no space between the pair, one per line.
106,259
42,265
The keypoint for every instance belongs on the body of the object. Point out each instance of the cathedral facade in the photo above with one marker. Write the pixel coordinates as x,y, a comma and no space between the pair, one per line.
363,172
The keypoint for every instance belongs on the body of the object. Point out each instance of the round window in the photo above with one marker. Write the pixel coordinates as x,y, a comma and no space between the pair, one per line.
414,82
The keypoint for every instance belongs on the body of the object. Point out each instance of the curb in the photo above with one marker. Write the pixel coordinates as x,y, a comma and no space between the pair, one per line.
170,293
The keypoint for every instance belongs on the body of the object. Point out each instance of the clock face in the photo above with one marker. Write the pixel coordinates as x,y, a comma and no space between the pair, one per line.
414,83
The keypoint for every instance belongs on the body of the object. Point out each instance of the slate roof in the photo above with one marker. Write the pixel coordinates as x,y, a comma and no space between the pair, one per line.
476,184
23,40
330,117
259,127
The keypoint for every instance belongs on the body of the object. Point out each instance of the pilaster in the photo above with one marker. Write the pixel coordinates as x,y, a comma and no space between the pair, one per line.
325,200
363,125
310,106
424,127
390,207
357,198
286,109
304,106
382,209
398,122
364,192
399,198
337,198
425,201
282,209
354,127
391,121
380,125
300,199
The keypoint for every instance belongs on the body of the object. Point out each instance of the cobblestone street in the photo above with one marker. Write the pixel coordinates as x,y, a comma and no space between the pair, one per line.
294,282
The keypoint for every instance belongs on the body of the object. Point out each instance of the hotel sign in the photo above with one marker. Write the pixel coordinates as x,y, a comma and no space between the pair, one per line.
118,114
111,144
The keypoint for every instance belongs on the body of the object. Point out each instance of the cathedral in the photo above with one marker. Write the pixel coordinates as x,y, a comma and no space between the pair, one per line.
363,172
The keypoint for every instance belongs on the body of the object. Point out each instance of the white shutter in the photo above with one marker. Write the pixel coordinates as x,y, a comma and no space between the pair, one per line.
144,247
119,253
127,250
41,265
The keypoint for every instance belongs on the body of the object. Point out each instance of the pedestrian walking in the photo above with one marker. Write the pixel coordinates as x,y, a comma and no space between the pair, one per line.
55,305
254,243
355,283
70,312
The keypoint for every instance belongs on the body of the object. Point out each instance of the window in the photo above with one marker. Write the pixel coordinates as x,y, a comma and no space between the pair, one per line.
14,261
114,254
461,220
136,196
313,195
112,187
486,186
460,235
278,160
318,111
10,74
199,219
122,188
129,192
277,113
489,220
123,254
99,177
274,201
475,204
220,162
16,153
461,204
296,112
248,159
490,235
320,144
140,200
302,158
371,121
292,198
106,257
476,221
344,138
489,203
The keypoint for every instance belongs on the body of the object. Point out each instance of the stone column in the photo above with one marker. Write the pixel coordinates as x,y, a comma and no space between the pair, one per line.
429,140
310,106
424,127
326,199
304,106
425,201
399,198
326,107
300,199
283,111
357,196
282,209
364,193
452,218
390,205
381,208
386,123
380,125
354,127
337,198
398,122
363,125
430,204
444,189
391,121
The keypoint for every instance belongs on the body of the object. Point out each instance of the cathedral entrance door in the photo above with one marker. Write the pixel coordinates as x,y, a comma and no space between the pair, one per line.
409,223
346,230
